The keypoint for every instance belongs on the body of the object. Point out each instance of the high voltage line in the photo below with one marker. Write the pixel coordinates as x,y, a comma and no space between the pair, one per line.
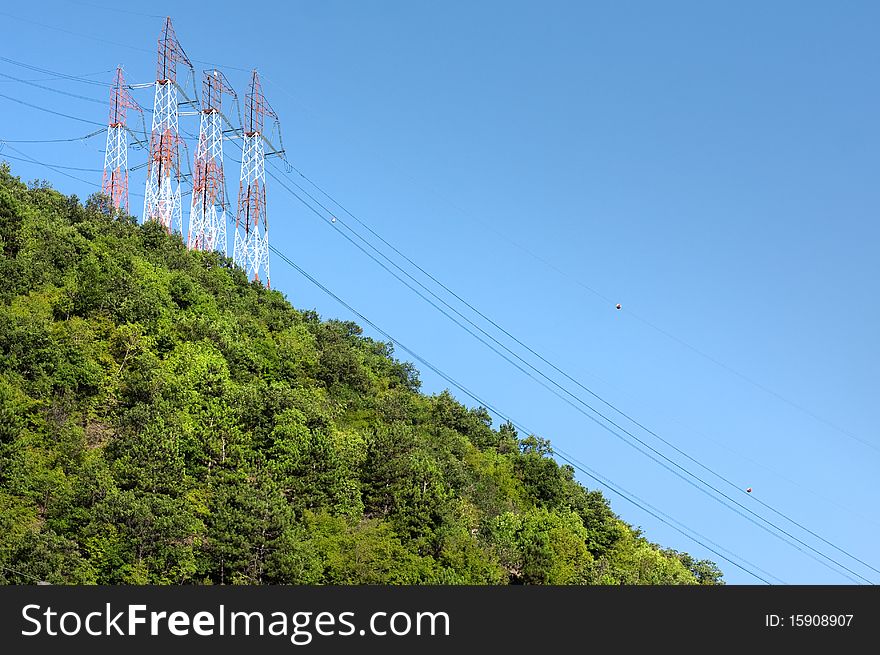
57,169
66,76
616,425
451,292
72,139
702,485
592,474
629,312
53,166
56,78
49,88
672,462
109,42
552,365
110,8
644,505
50,166
554,382
50,111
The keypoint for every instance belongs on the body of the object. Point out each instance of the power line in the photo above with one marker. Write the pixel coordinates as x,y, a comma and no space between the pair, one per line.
706,486
66,31
619,490
76,138
703,489
644,505
50,166
55,78
57,169
627,311
596,293
53,166
757,384
50,111
83,35
552,365
137,143
66,76
124,11
49,88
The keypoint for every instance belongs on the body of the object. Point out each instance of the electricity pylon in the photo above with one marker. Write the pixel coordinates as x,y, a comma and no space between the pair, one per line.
207,218
162,197
114,184
251,248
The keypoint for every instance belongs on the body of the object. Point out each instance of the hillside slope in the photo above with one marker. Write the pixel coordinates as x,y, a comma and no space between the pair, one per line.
163,420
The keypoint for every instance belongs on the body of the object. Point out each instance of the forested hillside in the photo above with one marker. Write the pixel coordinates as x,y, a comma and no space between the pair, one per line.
163,420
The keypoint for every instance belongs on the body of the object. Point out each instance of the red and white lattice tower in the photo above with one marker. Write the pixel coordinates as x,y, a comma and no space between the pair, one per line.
207,218
162,198
251,248
115,182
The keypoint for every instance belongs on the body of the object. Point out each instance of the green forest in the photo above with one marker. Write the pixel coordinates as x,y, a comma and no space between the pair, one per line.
163,420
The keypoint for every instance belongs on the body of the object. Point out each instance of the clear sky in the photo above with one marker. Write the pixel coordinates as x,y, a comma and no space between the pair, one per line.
711,166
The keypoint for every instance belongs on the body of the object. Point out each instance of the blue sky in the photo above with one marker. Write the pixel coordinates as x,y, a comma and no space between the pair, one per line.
711,166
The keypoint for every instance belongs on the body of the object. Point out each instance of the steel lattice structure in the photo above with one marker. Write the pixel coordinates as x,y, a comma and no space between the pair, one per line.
207,219
162,197
114,184
251,248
